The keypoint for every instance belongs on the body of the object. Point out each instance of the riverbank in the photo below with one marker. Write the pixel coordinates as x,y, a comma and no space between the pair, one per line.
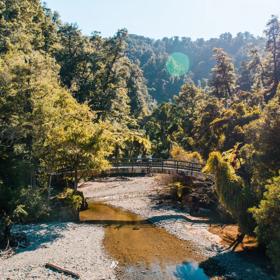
143,196
80,247
75,247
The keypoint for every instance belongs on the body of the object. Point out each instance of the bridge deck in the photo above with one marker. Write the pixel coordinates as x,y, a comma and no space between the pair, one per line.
185,168
189,169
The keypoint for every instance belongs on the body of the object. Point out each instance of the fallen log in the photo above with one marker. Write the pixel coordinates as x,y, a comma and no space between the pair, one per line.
62,270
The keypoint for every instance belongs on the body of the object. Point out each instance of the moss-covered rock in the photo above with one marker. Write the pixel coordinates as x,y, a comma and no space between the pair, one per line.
67,205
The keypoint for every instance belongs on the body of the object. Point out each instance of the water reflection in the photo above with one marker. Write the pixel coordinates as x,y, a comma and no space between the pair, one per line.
190,271
142,250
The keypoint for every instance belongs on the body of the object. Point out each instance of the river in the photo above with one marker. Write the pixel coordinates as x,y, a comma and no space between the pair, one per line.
142,250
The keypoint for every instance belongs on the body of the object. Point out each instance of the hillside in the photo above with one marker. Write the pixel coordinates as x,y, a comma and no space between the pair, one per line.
152,55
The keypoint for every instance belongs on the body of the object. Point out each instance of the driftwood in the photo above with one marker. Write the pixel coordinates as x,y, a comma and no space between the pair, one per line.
62,270
6,254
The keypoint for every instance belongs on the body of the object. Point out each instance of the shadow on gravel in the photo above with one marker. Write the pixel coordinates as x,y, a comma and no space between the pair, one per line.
113,178
158,219
39,235
227,265
146,222
166,202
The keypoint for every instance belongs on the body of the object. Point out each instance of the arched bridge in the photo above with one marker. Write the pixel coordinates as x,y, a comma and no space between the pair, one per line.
147,166
169,166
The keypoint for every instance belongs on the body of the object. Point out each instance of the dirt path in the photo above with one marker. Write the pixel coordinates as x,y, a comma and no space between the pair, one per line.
140,195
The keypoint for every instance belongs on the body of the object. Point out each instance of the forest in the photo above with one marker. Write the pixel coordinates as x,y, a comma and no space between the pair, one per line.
72,102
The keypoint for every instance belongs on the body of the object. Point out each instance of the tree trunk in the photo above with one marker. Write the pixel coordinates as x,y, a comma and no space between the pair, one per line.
76,180
5,232
236,242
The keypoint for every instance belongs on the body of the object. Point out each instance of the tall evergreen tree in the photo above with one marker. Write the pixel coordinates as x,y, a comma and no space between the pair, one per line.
223,81
273,58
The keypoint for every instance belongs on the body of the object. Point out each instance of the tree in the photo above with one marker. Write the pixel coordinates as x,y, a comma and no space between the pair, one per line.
245,78
268,223
178,153
234,195
272,48
131,144
257,71
229,127
205,140
223,81
264,135
160,127
141,104
97,71
189,105
75,61
25,24
69,138
42,128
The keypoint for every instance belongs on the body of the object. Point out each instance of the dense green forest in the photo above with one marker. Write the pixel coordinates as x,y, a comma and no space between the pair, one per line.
152,55
72,102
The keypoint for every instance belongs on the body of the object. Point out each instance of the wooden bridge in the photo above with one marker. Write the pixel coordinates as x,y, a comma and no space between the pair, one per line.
155,166
148,166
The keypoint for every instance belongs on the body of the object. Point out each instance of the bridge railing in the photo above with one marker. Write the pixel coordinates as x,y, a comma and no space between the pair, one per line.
160,163
188,168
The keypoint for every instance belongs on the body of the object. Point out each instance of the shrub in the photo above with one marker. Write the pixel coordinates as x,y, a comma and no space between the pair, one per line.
267,216
178,188
234,195
71,198
178,153
31,205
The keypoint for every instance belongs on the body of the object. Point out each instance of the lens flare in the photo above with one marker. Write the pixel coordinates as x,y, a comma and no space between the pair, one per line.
178,64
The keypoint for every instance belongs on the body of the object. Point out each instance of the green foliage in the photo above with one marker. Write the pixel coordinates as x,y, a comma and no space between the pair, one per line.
223,80
266,133
232,192
51,79
97,71
69,137
71,198
177,123
152,56
26,25
131,144
231,124
20,213
178,187
271,62
178,153
73,102
160,127
32,205
268,223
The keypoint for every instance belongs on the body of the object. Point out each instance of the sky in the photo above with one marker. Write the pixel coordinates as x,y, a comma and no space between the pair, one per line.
168,18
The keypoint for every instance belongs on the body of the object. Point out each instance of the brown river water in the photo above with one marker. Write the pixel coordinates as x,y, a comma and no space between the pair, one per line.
142,250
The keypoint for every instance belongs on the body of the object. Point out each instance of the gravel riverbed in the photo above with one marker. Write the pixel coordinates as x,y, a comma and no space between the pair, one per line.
79,247
75,247
141,195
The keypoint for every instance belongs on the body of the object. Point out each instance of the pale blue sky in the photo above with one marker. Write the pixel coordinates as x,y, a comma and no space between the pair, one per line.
159,18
